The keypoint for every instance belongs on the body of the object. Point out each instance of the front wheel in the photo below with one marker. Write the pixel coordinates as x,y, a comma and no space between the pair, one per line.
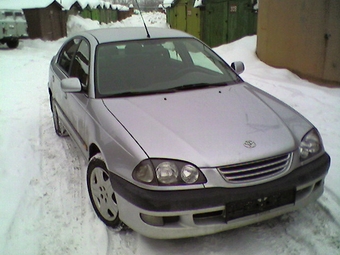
101,193
12,44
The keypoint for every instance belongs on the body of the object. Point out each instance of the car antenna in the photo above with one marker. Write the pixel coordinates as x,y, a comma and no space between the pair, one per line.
140,12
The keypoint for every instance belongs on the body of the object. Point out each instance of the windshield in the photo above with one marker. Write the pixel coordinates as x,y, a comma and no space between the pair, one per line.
157,66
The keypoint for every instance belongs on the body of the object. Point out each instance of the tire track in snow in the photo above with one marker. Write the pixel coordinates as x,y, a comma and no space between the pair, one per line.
304,232
76,228
22,152
65,209
121,243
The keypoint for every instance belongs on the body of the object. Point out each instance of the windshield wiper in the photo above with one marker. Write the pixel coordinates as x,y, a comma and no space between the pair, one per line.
137,93
197,86
129,93
168,90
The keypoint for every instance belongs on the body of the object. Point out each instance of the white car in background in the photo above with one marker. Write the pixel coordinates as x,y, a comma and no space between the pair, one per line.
13,27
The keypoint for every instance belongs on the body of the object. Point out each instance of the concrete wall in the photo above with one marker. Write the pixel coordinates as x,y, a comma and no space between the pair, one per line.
301,35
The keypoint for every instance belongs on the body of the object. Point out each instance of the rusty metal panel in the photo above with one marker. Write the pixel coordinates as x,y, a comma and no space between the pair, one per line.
180,17
215,22
183,16
95,14
241,19
228,20
193,21
302,36
33,23
46,23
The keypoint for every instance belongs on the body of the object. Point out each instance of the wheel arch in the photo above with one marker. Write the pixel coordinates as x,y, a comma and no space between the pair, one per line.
93,150
50,97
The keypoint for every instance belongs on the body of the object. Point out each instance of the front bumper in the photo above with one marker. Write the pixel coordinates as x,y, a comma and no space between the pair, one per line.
188,213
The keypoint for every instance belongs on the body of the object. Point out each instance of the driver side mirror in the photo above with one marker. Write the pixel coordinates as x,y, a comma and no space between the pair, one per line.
238,67
71,85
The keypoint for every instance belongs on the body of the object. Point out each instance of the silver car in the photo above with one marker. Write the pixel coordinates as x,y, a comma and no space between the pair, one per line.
178,144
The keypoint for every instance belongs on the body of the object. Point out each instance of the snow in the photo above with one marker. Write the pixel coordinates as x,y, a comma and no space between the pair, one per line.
44,206
76,24
168,3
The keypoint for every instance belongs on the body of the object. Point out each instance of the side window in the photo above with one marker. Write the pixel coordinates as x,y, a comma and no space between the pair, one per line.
80,64
67,54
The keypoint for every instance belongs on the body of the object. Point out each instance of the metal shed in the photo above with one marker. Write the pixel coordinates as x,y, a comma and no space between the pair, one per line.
112,14
47,19
105,14
48,23
102,13
214,21
228,20
86,12
75,9
184,16
95,13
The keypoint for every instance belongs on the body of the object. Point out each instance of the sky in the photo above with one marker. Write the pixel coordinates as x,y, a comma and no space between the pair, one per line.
44,206
30,4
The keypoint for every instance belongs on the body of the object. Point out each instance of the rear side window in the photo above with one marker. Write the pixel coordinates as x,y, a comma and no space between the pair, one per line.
67,54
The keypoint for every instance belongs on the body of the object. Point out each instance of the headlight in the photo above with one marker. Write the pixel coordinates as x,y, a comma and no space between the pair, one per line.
310,145
144,173
167,172
189,174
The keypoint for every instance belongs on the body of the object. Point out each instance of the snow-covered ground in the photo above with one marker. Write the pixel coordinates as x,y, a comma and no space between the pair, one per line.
44,206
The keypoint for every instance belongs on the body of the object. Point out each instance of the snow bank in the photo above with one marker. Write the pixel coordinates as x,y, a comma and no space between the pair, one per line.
77,24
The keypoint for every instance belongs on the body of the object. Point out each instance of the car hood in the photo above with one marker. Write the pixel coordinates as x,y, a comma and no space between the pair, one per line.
210,127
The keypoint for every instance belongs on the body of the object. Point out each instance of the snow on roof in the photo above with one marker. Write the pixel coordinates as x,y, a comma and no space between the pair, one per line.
66,4
198,3
120,7
168,3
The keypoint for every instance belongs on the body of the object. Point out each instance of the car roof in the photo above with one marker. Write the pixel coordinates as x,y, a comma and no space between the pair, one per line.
134,33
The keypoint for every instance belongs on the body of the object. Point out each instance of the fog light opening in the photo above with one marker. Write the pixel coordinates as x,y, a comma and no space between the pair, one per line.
159,221
152,220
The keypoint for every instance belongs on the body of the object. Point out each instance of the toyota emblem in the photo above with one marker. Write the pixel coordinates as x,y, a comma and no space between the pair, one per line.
249,144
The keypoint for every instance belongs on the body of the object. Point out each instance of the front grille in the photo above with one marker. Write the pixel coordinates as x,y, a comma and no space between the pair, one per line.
255,170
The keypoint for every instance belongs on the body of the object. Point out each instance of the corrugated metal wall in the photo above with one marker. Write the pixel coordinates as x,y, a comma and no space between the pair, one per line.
301,35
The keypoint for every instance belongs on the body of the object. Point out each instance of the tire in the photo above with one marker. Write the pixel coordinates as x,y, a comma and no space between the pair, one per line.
101,193
58,125
12,44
